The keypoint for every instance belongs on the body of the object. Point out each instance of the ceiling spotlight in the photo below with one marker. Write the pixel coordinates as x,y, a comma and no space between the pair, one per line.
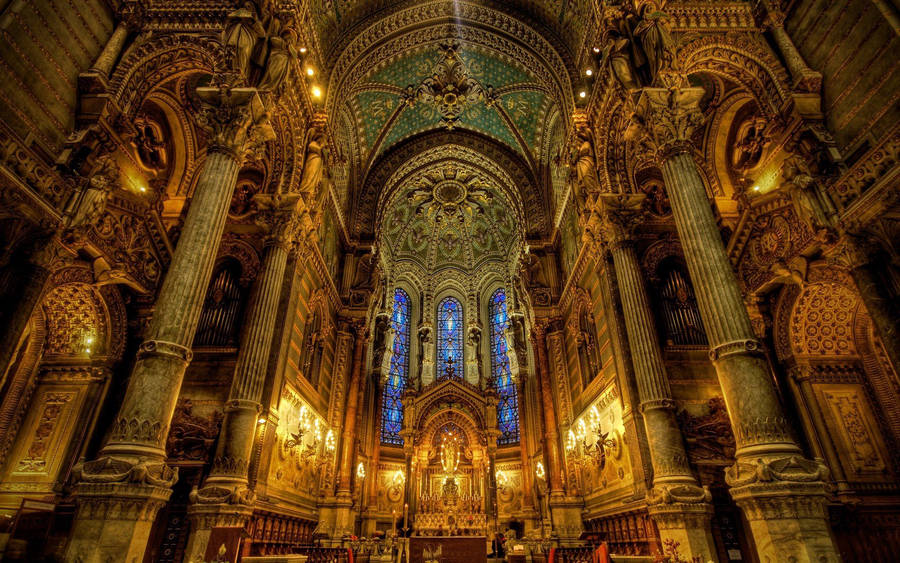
589,72
756,188
582,94
596,49
316,92
310,71
302,50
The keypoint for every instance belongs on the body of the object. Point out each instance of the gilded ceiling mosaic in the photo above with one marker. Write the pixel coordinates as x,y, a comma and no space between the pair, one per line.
478,89
450,214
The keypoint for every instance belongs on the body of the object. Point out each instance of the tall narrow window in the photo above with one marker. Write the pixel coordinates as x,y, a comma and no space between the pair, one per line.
449,345
508,406
391,406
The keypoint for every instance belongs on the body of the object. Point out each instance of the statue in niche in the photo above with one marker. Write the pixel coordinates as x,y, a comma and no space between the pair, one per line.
585,167
473,354
426,351
242,31
281,53
149,144
533,271
103,180
813,206
638,44
750,142
656,39
313,165
382,338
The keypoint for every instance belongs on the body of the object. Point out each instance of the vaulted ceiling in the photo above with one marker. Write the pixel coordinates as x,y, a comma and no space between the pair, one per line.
399,71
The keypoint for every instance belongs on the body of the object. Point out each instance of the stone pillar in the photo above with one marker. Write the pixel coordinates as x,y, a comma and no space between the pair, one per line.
528,510
119,494
348,439
804,78
781,493
677,503
551,434
110,54
225,499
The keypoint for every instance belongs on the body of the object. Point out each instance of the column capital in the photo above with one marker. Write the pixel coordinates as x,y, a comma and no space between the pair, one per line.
280,216
235,121
620,214
665,118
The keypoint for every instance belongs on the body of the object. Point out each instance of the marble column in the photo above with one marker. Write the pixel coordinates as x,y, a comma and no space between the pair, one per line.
119,494
551,434
225,499
677,503
111,51
781,493
804,78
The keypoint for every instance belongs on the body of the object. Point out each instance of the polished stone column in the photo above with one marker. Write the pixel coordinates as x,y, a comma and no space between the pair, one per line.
781,493
527,486
677,503
225,499
551,434
119,493
804,78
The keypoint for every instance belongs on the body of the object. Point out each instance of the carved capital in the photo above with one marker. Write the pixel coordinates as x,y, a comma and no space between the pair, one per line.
235,121
280,216
620,214
140,471
852,252
665,118
789,469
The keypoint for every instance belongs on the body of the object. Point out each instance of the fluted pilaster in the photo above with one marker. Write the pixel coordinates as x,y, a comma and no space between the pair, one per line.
551,434
348,440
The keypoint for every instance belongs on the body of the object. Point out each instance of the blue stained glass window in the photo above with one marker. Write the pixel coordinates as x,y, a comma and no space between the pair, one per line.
449,345
391,406
508,406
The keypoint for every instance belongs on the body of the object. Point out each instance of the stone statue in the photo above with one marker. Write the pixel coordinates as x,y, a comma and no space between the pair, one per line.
241,33
812,206
750,143
314,165
656,40
620,51
281,52
585,167
473,354
426,352
103,180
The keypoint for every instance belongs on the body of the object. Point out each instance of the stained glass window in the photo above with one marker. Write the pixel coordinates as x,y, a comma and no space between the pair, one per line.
508,406
449,345
391,406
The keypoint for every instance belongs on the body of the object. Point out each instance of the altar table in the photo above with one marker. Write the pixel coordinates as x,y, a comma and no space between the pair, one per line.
448,549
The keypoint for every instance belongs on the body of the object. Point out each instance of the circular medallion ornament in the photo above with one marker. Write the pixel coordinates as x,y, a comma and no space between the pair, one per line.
449,192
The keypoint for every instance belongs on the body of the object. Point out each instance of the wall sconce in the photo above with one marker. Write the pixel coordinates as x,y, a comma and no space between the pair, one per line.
597,450
539,470
361,470
399,477
330,442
